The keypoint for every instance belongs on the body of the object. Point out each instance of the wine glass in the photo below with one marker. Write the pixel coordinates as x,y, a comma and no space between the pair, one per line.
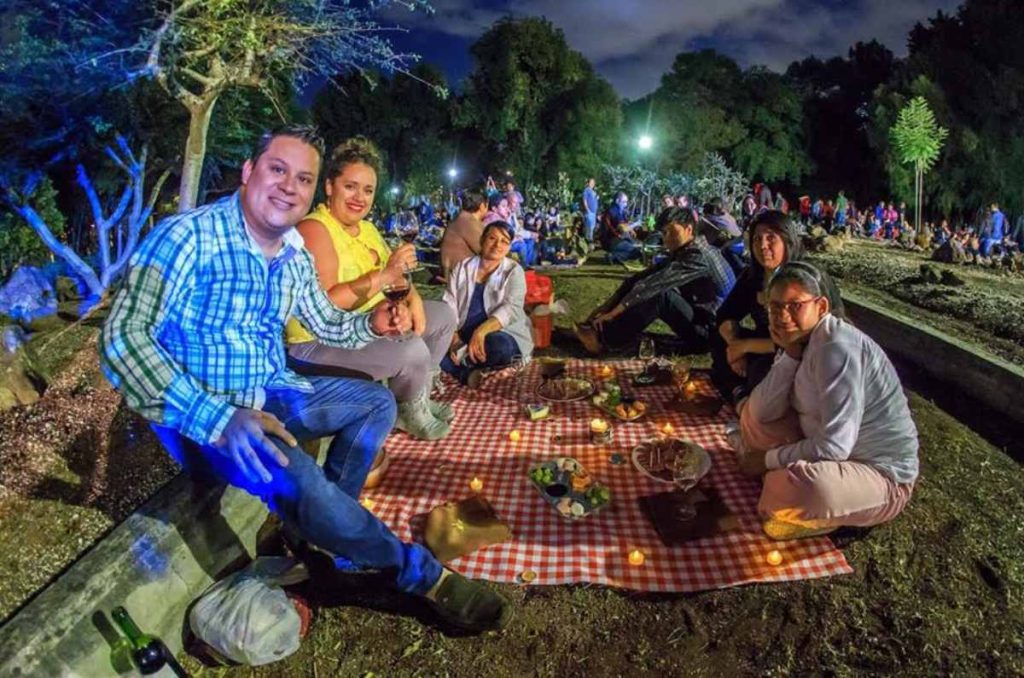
646,352
397,291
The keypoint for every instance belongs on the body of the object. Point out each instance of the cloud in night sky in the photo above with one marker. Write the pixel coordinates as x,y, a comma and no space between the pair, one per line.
633,43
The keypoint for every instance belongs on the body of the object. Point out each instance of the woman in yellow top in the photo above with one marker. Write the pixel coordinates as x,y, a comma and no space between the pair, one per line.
354,265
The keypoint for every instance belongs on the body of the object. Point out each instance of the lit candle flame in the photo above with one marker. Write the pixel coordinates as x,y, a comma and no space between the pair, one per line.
514,436
636,557
668,428
368,503
476,484
598,425
774,558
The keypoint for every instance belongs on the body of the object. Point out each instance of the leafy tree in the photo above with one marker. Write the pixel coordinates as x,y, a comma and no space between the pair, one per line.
197,50
18,242
836,100
407,116
118,227
918,140
536,105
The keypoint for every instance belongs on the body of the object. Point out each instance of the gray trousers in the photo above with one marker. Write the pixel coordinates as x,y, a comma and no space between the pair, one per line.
404,361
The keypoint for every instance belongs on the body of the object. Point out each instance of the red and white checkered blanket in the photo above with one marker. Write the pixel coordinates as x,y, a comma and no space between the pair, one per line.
594,549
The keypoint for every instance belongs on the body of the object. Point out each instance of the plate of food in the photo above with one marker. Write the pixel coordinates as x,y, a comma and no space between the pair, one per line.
565,389
621,407
569,488
672,460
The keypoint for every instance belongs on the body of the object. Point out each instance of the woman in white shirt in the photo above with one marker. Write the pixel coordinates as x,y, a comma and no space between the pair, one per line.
487,294
829,427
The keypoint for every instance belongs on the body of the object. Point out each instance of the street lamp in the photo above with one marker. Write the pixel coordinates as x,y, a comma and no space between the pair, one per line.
452,172
645,142
394,190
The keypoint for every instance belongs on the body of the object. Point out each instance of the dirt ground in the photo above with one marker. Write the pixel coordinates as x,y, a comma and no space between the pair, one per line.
938,591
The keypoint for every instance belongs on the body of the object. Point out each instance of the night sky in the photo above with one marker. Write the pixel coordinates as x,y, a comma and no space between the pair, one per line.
632,43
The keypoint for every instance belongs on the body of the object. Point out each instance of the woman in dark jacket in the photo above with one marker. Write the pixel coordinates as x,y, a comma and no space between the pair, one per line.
742,356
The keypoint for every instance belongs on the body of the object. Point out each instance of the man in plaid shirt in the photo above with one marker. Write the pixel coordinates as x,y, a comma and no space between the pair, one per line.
194,342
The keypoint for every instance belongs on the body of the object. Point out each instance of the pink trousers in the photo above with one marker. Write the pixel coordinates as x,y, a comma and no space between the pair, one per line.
820,494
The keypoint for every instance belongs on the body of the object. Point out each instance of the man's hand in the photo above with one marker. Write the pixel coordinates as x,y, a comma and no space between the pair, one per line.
602,318
245,438
752,463
390,320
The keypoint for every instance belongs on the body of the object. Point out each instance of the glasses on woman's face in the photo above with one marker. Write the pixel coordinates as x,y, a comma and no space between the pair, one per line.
775,308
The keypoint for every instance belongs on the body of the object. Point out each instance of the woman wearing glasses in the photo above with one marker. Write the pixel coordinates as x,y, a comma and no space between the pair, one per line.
828,426
359,270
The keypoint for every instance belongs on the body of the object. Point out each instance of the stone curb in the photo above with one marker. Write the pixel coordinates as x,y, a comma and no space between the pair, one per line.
980,376
155,563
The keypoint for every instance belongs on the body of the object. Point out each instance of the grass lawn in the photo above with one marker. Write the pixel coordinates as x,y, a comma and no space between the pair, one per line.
938,591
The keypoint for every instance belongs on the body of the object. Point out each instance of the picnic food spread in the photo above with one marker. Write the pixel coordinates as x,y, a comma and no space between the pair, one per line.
566,485
565,389
672,460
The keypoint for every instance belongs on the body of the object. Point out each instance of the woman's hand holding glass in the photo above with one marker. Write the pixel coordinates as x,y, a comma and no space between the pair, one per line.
401,262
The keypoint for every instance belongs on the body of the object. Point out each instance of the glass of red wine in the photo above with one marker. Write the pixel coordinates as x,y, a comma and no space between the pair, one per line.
397,291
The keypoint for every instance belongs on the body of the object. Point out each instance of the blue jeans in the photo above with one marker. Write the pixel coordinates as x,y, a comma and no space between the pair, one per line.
525,250
501,350
322,504
589,224
623,249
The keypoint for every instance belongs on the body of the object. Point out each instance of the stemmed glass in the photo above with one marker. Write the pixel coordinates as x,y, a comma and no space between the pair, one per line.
647,351
397,291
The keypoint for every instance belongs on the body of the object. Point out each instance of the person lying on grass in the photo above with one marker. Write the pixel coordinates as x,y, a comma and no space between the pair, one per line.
684,291
829,426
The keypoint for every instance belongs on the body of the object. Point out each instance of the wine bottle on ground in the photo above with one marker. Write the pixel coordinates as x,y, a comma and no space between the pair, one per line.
149,653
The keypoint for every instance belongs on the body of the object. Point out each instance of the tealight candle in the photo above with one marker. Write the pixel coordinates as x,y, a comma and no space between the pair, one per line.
668,428
606,371
600,431
514,435
368,503
690,390
476,484
774,558
636,557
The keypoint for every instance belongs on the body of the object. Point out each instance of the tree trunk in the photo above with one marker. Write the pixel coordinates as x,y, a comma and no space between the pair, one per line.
74,262
195,152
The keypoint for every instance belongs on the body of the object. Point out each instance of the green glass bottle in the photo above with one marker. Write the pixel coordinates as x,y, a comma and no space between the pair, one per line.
149,654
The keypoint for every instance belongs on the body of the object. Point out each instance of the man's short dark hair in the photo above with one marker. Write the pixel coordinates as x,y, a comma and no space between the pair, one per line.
305,133
472,200
675,215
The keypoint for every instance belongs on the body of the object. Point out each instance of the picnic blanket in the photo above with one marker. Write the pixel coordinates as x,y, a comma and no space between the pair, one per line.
596,548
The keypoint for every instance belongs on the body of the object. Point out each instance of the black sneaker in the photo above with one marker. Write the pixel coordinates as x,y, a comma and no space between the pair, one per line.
470,605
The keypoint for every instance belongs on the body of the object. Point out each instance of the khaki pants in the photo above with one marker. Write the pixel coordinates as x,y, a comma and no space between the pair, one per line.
820,494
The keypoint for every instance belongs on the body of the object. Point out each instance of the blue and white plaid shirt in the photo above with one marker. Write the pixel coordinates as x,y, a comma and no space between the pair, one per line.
197,329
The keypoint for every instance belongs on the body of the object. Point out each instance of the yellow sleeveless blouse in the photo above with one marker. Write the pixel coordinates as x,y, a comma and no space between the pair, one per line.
355,259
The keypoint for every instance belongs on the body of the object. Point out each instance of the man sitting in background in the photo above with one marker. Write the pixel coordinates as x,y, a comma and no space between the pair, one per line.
462,237
684,291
